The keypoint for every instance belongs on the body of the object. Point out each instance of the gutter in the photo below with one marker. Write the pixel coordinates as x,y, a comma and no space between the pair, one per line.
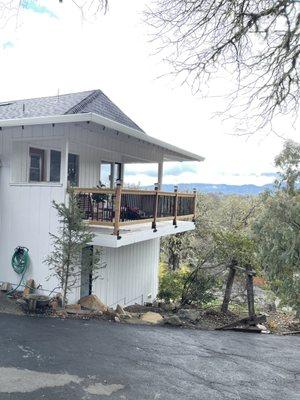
97,119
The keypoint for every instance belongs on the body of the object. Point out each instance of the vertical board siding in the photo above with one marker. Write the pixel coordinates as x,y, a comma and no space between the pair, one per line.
131,274
27,216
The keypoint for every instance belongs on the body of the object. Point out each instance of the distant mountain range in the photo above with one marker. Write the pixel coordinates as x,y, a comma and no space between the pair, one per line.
243,190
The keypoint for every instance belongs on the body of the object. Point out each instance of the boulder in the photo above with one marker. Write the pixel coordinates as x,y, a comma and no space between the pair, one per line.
189,314
173,320
120,310
151,317
92,302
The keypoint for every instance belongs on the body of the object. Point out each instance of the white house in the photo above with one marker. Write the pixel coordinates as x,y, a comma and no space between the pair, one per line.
80,139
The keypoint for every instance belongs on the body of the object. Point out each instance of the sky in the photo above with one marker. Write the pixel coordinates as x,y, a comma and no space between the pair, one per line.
46,48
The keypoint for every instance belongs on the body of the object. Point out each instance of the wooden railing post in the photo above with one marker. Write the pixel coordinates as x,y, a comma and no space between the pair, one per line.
156,186
175,206
195,204
118,209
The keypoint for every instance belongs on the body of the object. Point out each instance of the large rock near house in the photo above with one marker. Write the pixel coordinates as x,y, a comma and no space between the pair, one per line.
92,302
152,317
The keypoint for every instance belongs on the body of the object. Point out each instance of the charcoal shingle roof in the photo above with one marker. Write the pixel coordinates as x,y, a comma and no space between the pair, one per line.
93,101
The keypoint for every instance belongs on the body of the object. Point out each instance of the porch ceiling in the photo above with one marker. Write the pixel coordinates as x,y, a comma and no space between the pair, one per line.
169,151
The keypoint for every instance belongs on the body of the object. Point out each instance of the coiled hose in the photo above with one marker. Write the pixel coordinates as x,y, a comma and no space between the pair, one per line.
19,263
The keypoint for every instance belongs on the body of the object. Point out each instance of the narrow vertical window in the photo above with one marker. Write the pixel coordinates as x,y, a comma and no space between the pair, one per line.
55,163
37,165
73,169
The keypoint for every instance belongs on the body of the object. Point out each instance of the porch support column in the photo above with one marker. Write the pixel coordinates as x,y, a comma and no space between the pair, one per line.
112,175
65,169
160,175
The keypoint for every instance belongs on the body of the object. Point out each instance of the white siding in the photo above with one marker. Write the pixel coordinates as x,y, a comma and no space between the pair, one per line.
27,216
131,274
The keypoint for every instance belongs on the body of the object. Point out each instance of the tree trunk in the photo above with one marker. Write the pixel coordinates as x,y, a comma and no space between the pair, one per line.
229,284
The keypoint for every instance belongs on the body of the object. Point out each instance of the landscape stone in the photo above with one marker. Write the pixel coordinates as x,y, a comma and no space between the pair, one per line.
92,302
151,317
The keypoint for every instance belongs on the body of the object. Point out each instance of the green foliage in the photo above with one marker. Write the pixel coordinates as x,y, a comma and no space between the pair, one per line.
278,237
176,249
289,163
171,283
198,287
185,285
65,261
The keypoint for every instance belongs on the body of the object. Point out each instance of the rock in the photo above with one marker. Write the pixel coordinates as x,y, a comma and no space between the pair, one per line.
29,288
92,302
75,307
151,317
173,320
189,314
120,310
117,319
121,313
6,287
61,313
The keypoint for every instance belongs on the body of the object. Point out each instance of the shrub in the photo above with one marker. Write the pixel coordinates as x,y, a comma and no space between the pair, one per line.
185,286
171,283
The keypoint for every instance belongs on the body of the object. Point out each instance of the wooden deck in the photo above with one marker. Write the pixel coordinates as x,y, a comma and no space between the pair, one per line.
120,207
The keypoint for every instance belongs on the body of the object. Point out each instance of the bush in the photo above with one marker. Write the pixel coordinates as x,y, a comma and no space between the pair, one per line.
184,286
198,288
171,283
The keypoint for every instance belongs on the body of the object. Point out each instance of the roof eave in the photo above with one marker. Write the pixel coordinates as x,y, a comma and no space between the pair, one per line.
97,119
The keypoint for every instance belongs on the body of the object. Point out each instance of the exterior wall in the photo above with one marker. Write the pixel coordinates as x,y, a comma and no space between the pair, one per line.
26,213
27,216
130,275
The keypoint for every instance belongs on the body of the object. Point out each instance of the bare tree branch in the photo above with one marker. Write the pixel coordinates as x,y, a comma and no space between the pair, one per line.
255,42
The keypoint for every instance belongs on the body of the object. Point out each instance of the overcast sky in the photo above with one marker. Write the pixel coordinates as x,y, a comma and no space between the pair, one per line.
49,48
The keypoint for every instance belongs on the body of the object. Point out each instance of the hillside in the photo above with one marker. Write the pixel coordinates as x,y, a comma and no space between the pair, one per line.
219,188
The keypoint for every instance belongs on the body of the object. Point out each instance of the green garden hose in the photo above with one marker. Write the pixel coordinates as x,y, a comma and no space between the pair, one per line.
19,263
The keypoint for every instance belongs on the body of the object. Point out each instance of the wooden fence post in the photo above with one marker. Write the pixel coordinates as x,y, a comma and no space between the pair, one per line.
156,186
118,209
175,206
250,292
195,204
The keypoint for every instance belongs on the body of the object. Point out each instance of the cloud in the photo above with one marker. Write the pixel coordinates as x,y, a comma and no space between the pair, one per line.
170,169
269,174
34,6
8,45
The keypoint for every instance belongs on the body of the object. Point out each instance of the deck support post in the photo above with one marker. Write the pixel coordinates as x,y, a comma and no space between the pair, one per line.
175,206
155,208
118,209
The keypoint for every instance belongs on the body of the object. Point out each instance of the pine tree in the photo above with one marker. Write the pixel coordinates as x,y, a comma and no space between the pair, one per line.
65,260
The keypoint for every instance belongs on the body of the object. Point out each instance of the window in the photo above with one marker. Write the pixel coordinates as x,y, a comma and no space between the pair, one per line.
73,169
37,165
55,162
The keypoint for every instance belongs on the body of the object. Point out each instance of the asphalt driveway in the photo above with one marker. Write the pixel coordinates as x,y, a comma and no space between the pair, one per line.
43,358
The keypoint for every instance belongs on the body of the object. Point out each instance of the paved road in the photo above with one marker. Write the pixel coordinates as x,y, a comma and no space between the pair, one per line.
52,359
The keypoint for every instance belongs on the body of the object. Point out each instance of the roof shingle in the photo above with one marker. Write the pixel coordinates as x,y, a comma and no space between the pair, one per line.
93,101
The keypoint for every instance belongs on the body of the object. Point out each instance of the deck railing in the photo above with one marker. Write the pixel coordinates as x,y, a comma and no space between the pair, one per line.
119,207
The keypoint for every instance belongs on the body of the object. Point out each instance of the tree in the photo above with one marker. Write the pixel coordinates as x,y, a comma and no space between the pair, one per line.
256,43
176,249
278,237
278,229
66,261
288,161
224,234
